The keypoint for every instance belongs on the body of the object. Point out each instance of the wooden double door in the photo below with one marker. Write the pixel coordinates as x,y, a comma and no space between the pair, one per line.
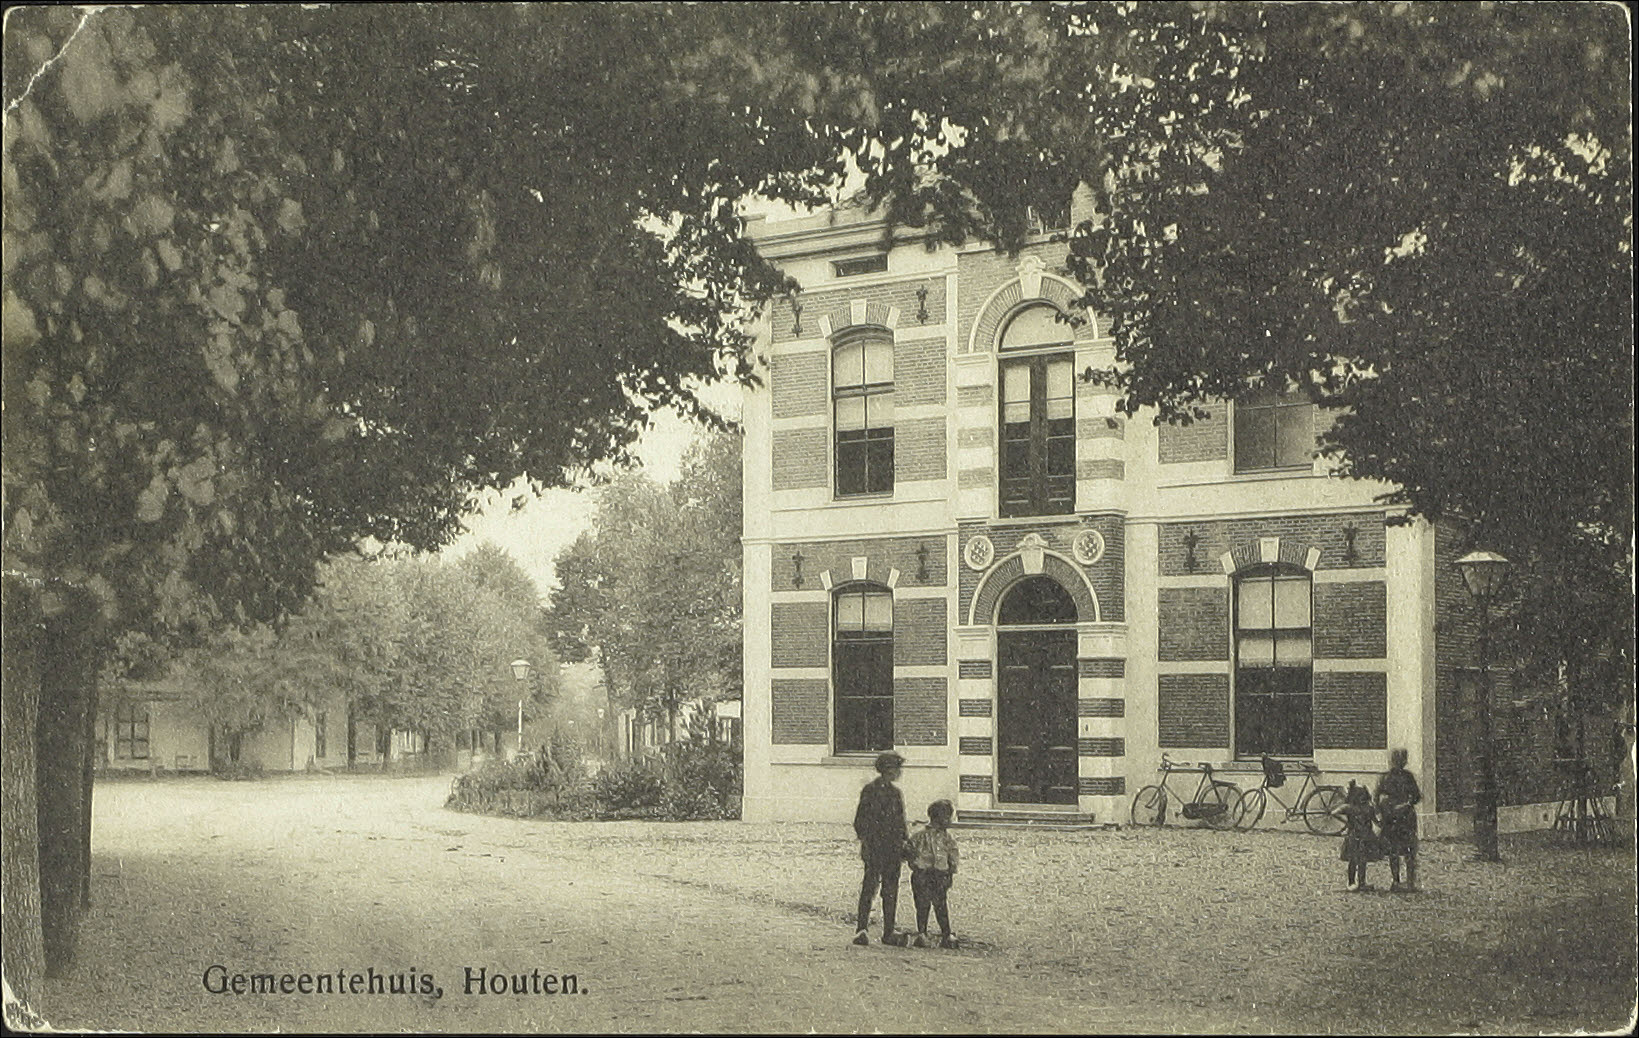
1036,717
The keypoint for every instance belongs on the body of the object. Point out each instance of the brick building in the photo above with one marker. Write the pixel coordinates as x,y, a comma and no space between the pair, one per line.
957,549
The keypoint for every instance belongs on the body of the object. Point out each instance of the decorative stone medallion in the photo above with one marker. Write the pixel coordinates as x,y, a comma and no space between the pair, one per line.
979,552
1088,547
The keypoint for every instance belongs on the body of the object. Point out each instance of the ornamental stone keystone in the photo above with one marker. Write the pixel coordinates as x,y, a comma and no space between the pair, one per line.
1030,269
1030,553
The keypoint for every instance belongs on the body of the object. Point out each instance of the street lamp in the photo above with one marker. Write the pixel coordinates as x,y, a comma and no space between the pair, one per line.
520,671
1484,572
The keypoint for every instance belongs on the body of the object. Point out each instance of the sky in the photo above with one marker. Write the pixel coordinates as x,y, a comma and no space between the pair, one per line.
549,522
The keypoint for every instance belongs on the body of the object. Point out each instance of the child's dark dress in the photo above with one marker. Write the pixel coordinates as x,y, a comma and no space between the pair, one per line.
1359,842
1399,826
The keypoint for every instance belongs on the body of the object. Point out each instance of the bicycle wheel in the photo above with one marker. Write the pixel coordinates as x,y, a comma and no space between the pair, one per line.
1253,801
1317,810
1150,806
1219,803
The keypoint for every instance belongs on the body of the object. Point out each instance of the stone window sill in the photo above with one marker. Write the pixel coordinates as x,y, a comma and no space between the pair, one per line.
869,761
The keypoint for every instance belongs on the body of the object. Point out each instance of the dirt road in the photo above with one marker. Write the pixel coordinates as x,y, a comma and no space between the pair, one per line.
732,927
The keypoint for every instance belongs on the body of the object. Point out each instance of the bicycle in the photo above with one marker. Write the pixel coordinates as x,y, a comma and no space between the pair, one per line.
1215,801
1313,802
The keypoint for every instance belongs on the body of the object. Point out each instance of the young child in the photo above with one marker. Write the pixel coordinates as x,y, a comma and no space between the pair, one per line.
1359,841
1397,800
933,858
879,822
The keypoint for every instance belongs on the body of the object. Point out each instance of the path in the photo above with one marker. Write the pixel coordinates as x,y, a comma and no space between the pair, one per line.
726,927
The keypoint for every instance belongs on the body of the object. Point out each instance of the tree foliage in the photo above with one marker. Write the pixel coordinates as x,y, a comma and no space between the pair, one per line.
652,592
412,644
282,277
1423,215
1419,213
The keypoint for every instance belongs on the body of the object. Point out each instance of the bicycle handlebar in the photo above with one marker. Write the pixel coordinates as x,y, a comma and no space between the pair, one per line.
1168,764
1303,766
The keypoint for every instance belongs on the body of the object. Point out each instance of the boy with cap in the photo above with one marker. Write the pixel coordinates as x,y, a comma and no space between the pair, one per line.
879,822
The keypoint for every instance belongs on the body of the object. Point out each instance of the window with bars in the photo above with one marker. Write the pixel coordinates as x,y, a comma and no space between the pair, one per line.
1274,431
860,265
131,730
1274,669
862,394
1038,417
862,669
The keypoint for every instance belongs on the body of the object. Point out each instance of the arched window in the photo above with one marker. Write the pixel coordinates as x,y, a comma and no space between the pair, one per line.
1042,325
862,668
1274,662
862,395
1038,416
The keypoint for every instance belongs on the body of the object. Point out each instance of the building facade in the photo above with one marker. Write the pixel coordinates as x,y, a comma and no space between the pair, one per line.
156,727
956,548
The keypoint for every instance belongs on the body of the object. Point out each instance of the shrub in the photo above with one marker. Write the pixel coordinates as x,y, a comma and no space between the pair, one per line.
549,781
632,787
237,771
703,776
681,804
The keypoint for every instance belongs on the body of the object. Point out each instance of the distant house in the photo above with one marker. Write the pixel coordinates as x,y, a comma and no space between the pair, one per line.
154,726
637,736
151,726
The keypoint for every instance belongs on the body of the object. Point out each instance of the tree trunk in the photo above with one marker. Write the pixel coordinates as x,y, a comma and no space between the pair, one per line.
88,771
352,738
1626,776
67,674
23,954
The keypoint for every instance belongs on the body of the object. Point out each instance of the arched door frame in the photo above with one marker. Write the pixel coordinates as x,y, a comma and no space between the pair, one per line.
1036,754
994,585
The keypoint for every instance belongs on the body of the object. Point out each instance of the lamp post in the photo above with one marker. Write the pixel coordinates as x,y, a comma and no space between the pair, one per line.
520,671
1484,573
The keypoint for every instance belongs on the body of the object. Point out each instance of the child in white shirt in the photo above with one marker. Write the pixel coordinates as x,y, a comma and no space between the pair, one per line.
933,857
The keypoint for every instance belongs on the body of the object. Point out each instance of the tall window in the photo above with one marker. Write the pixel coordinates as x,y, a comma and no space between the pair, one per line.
131,730
1274,431
862,669
1274,650
1044,219
320,736
862,389
1038,419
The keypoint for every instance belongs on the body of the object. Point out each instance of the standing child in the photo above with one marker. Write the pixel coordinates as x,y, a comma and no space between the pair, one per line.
1359,841
1397,799
934,859
879,822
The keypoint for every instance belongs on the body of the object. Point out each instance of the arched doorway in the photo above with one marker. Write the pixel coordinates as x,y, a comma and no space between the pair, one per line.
1036,694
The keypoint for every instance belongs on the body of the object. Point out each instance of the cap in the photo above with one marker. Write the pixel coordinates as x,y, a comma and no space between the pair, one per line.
884,761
